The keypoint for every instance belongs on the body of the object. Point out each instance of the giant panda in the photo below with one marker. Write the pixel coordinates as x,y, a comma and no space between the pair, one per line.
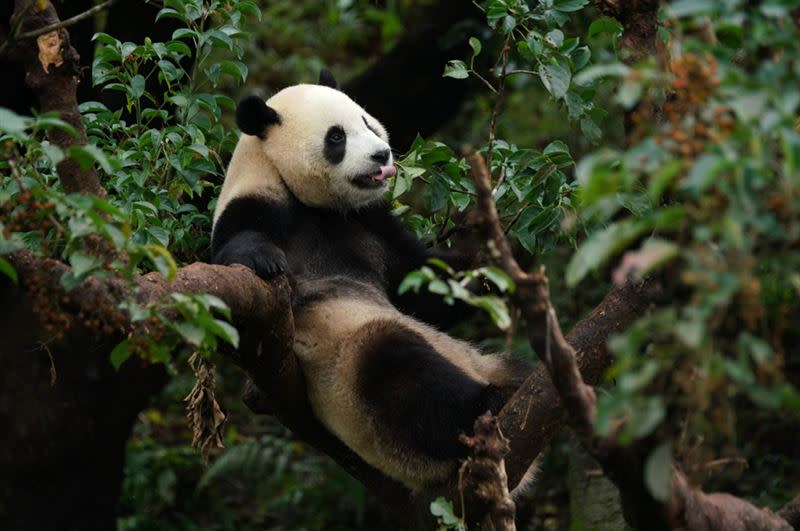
303,196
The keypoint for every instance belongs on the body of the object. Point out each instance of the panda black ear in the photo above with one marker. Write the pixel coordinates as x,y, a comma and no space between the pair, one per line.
326,79
253,116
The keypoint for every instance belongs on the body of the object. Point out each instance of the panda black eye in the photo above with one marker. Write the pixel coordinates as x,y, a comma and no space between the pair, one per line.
335,135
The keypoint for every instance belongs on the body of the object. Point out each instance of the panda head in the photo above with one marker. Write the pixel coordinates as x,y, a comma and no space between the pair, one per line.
328,150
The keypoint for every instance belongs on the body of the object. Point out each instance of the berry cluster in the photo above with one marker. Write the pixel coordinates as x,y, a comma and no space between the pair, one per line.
27,214
690,122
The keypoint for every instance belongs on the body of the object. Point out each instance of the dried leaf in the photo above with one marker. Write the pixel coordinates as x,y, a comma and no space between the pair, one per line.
204,413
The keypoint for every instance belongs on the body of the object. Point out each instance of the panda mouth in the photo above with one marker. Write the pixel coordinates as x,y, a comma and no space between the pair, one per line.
376,179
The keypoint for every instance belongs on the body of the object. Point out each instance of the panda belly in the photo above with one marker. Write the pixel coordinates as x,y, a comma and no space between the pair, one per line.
394,390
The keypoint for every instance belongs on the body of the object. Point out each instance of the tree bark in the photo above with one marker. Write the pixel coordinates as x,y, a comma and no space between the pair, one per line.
52,70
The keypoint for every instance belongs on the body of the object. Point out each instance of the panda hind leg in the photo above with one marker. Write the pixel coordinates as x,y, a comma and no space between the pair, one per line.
422,399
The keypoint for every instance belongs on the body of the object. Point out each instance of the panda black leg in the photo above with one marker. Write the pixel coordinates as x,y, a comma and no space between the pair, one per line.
422,399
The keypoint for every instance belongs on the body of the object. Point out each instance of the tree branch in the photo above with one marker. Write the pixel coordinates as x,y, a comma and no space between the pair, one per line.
52,71
68,22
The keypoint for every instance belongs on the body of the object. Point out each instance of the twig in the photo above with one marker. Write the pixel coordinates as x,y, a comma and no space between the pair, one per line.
516,217
53,373
529,72
68,22
498,102
485,82
16,23
483,476
15,172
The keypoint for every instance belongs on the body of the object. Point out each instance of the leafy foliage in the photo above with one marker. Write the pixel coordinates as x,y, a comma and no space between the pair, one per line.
702,191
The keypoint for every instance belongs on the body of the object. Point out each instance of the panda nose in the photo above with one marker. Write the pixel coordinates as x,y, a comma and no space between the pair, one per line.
381,157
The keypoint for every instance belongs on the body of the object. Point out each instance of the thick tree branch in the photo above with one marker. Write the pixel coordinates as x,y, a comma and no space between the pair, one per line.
686,507
52,71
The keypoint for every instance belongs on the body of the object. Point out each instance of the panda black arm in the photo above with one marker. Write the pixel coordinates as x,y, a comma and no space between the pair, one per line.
405,254
251,231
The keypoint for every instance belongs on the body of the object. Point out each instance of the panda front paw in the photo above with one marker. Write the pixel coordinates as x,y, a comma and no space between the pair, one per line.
265,258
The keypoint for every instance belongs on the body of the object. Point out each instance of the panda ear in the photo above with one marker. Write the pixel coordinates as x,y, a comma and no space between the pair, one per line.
253,116
326,79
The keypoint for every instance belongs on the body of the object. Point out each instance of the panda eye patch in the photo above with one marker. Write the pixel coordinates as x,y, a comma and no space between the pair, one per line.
335,135
335,142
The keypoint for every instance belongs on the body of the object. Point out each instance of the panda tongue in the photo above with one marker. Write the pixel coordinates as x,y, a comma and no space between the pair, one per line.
386,171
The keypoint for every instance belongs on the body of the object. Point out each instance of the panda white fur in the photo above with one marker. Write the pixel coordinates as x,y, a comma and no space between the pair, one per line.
302,196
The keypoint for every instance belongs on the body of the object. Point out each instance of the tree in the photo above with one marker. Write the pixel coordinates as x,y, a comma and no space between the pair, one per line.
700,204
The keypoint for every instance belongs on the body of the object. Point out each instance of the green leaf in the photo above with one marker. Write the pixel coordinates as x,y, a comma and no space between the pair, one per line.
8,270
647,416
702,174
590,130
475,44
599,71
161,258
569,6
686,8
605,25
496,308
442,509
236,69
88,154
499,278
556,146
11,122
555,79
580,57
437,193
226,332
82,264
413,280
120,354
555,38
190,332
601,246
658,472
137,86
456,69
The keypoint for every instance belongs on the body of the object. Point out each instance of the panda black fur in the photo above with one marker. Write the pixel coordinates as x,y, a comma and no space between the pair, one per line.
302,196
